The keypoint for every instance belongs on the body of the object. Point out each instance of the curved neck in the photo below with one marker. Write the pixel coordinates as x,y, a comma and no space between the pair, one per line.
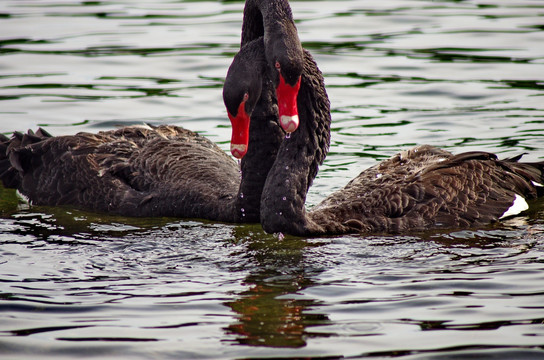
265,138
265,17
273,20
298,159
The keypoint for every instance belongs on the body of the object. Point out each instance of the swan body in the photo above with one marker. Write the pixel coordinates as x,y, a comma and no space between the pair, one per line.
167,170
428,188
133,171
148,170
418,189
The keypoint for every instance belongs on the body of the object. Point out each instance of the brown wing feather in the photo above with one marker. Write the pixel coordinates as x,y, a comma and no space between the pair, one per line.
139,170
426,187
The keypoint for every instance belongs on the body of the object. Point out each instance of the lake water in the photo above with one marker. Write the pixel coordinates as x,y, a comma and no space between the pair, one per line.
463,75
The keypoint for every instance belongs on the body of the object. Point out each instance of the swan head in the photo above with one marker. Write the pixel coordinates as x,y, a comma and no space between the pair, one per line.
286,95
285,55
241,92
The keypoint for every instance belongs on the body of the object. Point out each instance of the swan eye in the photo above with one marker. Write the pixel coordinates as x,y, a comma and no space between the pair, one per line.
278,66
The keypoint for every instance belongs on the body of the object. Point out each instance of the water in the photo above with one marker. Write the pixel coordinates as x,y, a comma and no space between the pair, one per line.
462,75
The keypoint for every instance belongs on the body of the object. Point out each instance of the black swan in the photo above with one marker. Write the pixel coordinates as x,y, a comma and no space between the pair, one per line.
419,189
166,170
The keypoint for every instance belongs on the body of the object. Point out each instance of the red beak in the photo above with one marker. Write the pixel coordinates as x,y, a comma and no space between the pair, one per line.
240,132
287,104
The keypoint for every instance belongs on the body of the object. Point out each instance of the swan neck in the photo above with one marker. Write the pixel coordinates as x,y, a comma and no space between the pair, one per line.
298,160
262,17
265,137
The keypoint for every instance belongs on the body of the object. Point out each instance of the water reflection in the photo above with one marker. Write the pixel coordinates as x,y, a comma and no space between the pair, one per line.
267,319
377,287
271,312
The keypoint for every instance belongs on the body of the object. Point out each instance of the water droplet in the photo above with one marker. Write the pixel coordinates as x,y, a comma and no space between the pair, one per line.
288,135
280,213
287,167
280,236
284,198
241,195
243,210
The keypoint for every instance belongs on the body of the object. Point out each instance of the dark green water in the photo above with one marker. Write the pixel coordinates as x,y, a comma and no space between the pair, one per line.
463,75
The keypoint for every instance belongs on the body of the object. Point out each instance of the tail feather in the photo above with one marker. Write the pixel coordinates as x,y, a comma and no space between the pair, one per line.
531,171
12,151
43,134
538,181
10,176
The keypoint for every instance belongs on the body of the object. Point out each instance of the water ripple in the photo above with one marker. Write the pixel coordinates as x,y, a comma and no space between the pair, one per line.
460,75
